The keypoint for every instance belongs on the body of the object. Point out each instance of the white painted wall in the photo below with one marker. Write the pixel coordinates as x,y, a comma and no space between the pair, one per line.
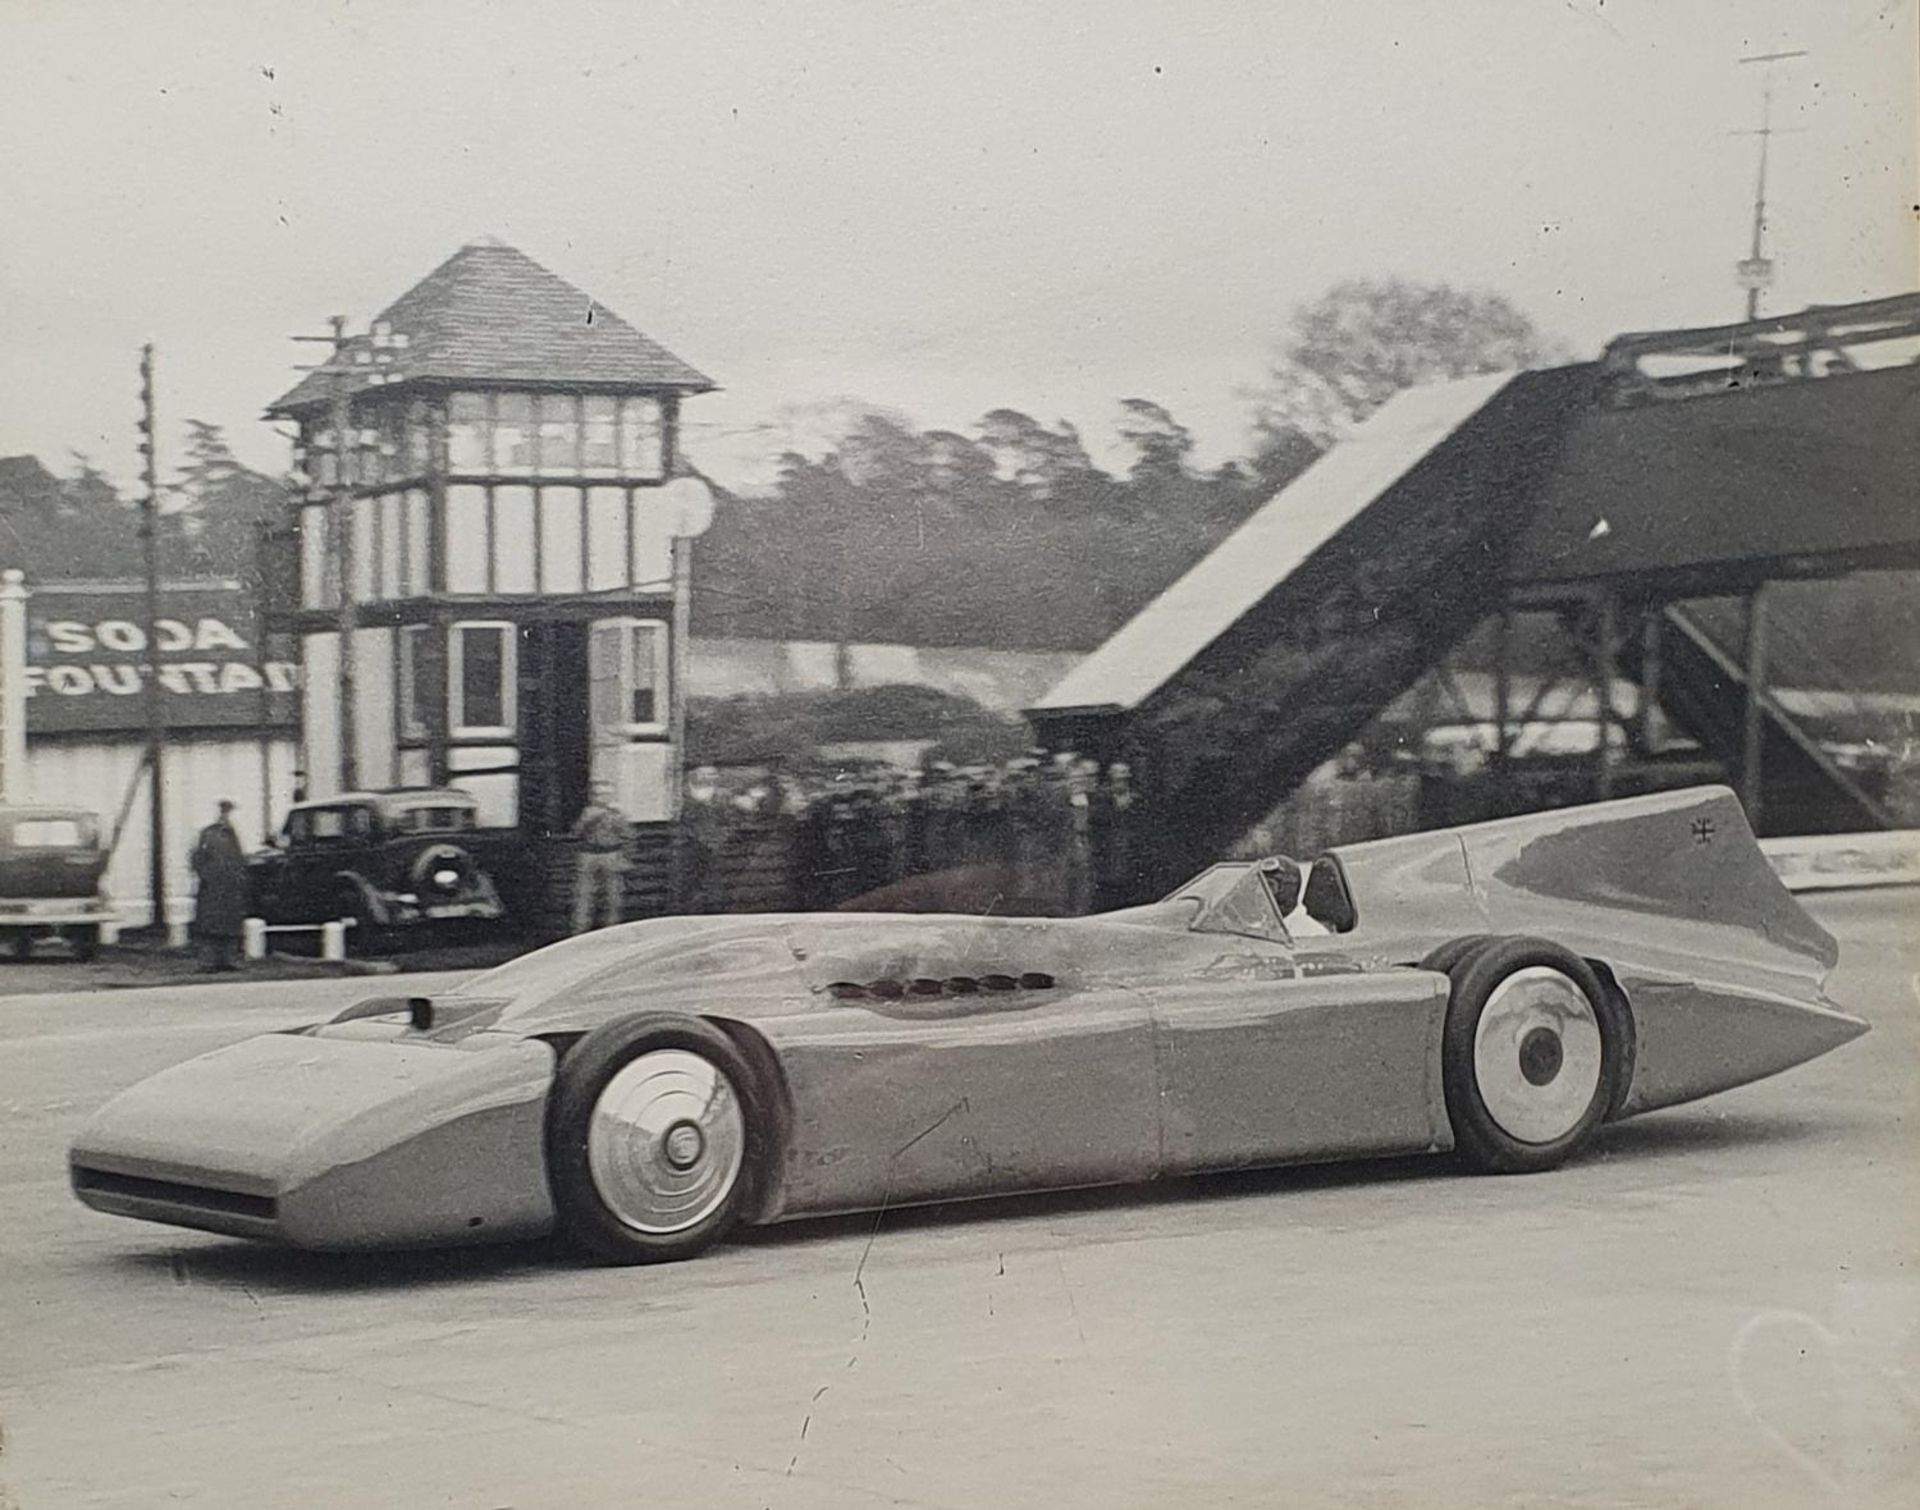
373,705
320,711
197,774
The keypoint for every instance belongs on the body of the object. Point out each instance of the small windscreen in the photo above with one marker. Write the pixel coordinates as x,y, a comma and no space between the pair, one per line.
1234,898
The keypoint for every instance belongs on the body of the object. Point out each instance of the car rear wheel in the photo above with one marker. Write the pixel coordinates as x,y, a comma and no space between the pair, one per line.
652,1139
85,941
1531,1053
366,937
1447,955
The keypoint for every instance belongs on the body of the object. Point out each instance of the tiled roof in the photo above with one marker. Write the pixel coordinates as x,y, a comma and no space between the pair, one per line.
490,313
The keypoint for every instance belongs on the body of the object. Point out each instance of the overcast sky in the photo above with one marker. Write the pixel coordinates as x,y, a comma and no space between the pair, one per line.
941,208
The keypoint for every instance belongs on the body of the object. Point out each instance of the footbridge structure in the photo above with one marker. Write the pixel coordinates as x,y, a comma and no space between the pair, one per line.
1648,501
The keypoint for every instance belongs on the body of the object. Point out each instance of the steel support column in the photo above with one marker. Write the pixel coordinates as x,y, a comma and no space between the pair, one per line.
1502,684
1606,638
1751,773
1651,650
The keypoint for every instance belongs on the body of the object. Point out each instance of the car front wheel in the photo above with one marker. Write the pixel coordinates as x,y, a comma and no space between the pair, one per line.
1531,1053
651,1133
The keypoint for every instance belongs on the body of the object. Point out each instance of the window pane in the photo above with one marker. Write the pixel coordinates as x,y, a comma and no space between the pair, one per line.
416,700
600,449
640,437
652,538
418,580
419,438
467,432
606,538
393,440
604,673
512,432
466,539
559,433
392,535
314,548
47,833
560,539
324,457
483,677
644,703
627,672
513,539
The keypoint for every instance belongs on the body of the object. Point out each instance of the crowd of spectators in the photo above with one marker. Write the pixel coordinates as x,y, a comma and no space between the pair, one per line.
853,830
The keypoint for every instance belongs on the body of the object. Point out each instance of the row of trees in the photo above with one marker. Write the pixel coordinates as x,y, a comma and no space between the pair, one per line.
81,526
1011,535
1008,534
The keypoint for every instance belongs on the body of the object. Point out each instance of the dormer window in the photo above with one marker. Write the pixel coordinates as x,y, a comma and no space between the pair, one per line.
512,434
559,434
642,438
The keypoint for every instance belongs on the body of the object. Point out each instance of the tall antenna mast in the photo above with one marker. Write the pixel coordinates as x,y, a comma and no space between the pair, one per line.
1756,269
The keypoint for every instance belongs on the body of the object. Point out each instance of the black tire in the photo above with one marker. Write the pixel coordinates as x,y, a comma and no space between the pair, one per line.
366,938
16,945
1445,956
582,1211
1537,1117
85,942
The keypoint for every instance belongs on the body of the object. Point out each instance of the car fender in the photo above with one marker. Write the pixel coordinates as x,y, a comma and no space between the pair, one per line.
379,910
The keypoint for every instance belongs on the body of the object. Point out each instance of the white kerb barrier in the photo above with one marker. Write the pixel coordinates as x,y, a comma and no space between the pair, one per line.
333,936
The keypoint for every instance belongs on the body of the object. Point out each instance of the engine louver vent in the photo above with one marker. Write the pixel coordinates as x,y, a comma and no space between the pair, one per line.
926,986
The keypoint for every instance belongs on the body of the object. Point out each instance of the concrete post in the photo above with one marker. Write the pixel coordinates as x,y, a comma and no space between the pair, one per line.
253,938
13,687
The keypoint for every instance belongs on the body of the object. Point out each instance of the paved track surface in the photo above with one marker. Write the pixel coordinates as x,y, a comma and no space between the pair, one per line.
1719,1306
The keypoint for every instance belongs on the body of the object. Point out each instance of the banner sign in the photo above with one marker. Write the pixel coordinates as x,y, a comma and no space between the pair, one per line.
88,662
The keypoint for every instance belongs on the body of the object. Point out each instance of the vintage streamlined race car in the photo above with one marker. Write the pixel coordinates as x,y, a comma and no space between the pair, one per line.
1499,990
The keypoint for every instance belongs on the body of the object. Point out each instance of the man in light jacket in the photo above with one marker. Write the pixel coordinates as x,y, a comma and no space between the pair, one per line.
600,876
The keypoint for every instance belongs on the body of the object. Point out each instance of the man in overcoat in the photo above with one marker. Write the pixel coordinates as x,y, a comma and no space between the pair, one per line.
220,895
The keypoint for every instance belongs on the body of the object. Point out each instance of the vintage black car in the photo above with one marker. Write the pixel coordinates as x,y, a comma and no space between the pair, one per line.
51,861
392,862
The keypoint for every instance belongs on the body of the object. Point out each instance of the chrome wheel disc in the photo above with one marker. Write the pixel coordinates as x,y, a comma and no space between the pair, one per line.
1537,1055
666,1142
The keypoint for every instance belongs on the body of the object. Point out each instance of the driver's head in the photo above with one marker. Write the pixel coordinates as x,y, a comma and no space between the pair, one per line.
1283,883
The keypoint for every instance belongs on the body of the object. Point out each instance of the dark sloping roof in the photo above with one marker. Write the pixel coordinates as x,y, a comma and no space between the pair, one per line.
490,313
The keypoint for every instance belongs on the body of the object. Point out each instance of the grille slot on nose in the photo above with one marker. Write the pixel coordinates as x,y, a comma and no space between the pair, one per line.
175,1193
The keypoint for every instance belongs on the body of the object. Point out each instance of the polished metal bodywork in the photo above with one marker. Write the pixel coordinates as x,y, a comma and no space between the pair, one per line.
922,1058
